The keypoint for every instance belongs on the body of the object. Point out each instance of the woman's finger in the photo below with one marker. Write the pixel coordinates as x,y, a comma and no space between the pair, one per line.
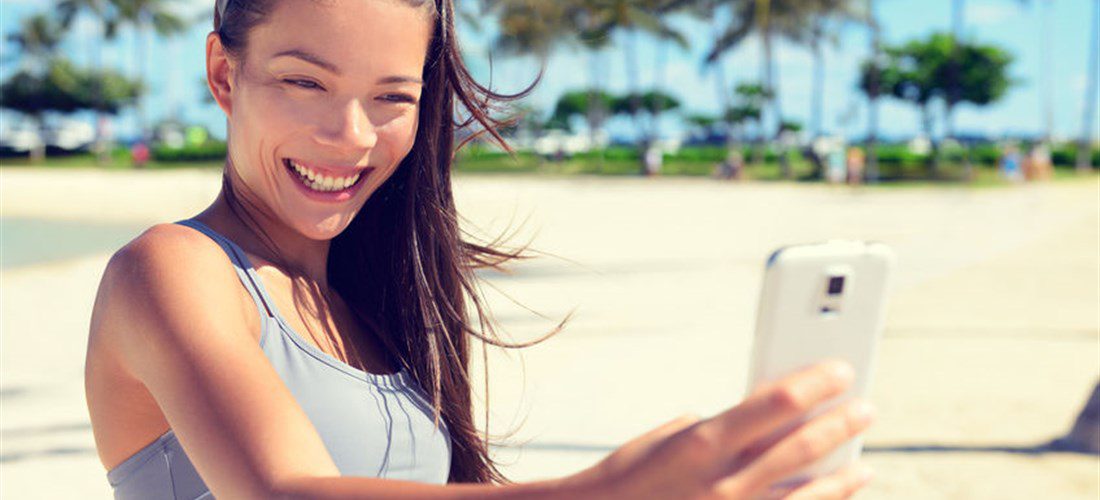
645,441
843,484
810,442
779,403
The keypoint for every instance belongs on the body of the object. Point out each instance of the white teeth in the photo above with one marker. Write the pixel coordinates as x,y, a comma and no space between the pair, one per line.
318,182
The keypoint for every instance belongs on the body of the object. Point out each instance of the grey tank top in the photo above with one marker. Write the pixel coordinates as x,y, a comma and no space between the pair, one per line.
374,425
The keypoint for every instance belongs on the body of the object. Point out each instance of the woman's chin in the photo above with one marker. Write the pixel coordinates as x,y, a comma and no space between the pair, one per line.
326,228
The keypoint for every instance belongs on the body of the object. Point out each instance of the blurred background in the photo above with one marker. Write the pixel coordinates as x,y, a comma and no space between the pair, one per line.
668,148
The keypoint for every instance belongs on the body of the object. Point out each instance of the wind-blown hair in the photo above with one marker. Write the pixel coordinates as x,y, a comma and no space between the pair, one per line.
403,265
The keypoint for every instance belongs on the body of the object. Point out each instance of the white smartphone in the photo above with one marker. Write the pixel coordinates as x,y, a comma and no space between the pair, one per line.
819,301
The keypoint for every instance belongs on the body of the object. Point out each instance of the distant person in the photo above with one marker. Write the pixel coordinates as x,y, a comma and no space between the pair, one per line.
855,163
653,158
1038,166
308,334
1011,163
139,154
836,171
732,168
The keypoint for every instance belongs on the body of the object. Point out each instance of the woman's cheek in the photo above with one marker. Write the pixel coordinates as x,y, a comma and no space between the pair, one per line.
401,135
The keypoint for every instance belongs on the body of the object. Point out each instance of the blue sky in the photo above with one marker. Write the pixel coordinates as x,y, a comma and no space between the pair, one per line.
176,67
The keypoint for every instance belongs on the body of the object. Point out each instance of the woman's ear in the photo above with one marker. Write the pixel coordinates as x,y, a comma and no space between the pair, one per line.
219,73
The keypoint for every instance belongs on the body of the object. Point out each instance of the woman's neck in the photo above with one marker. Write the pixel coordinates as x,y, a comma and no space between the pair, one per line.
301,255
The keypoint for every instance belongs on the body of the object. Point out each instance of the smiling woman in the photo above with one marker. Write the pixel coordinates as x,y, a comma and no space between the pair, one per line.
336,208
340,369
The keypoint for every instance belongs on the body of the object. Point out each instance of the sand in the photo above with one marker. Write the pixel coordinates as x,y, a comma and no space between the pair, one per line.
991,346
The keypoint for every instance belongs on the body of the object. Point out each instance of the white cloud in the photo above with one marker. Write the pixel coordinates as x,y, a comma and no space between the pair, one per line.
989,14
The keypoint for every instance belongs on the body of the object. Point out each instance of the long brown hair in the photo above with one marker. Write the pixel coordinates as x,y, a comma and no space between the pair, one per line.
403,265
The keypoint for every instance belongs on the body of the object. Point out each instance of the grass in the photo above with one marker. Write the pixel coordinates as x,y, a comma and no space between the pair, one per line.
118,161
892,176
614,163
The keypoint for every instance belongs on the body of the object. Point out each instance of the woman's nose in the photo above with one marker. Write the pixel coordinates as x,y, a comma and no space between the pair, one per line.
349,128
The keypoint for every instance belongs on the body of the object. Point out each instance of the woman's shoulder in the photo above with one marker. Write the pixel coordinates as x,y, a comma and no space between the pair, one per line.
169,273
169,239
168,258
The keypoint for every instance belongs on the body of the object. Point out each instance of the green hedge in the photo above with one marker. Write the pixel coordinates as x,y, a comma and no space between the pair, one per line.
889,155
208,151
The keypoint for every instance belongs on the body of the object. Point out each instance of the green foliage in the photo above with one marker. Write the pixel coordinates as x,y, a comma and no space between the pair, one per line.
65,88
701,121
791,125
749,102
38,37
922,70
613,153
529,27
576,103
211,150
647,102
150,12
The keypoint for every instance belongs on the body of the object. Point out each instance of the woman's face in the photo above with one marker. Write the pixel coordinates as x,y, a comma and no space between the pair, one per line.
325,90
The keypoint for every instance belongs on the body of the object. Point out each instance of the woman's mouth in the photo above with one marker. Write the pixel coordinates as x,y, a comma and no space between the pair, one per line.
325,185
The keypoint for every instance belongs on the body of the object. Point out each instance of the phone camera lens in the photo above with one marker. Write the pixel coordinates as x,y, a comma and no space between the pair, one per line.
836,285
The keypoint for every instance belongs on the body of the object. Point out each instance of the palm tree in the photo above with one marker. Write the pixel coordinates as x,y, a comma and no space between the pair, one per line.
666,36
38,38
767,19
68,11
825,17
529,27
954,80
874,89
708,11
633,17
142,14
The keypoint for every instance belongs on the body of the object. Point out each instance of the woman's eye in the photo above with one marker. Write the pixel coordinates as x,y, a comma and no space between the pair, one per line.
399,98
305,84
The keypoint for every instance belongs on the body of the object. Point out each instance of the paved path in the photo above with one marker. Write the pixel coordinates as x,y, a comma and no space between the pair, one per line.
992,340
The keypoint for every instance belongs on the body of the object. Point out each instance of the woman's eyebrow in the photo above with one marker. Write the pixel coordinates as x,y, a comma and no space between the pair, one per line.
316,60
309,57
400,79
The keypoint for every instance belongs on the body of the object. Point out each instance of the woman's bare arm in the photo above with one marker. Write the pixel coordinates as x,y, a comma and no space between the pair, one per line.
171,308
168,306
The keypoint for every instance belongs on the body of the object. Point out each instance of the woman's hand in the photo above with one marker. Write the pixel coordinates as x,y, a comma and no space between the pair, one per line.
735,454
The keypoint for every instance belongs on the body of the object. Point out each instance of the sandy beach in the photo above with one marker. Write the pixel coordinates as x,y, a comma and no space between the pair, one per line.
991,347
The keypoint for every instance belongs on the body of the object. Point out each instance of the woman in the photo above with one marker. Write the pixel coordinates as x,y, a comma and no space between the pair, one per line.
339,369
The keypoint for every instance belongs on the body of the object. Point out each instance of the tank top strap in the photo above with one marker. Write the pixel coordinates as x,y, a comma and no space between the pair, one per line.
241,264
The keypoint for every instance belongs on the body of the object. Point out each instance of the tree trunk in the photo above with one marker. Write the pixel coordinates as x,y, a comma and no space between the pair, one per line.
771,84
953,83
656,107
1046,77
595,109
1084,144
38,151
934,155
102,146
818,90
631,54
872,172
725,91
139,104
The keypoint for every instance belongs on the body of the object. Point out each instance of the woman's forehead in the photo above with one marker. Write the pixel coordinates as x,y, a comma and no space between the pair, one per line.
349,34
